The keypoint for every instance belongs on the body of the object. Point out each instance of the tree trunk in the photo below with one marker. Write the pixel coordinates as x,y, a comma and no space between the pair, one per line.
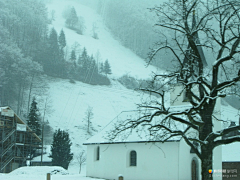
206,150
206,162
80,168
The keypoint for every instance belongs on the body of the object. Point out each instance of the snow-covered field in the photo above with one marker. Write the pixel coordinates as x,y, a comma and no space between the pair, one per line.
40,173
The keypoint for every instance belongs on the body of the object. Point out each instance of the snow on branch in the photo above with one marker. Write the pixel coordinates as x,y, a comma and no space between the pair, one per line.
226,141
155,51
212,136
226,84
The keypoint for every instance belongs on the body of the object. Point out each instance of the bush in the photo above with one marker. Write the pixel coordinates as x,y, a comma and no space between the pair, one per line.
129,82
72,81
132,83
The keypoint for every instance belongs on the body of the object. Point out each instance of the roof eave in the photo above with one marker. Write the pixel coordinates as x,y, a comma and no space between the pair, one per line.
120,142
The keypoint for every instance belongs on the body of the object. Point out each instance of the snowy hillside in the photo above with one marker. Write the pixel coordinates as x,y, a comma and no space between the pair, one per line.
122,60
68,102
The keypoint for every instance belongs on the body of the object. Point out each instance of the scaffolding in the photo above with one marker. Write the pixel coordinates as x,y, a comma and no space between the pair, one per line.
18,142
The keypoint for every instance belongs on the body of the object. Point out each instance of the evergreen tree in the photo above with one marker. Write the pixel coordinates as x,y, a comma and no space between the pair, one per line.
83,57
107,68
61,64
52,53
73,56
62,40
61,149
72,19
101,67
73,65
54,63
34,118
83,61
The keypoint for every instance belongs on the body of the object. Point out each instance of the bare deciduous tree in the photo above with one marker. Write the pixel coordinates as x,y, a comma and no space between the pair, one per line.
88,118
81,158
215,24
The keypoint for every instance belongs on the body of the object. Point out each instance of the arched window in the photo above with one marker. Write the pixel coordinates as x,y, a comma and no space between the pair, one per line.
133,158
98,153
194,170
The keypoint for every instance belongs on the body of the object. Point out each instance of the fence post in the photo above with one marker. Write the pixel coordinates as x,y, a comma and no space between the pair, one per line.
48,176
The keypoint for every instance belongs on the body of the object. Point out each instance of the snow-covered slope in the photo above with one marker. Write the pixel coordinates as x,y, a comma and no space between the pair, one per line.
68,102
122,60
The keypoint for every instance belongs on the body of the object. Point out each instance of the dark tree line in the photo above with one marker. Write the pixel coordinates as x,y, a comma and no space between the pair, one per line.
28,49
86,69
23,28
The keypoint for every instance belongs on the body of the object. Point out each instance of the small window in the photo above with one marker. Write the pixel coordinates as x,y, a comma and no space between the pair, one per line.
194,170
98,154
133,158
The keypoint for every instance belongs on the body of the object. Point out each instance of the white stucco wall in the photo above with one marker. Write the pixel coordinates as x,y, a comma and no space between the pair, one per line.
217,152
159,161
176,96
185,161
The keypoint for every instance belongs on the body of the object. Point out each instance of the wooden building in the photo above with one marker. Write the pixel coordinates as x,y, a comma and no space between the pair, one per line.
18,142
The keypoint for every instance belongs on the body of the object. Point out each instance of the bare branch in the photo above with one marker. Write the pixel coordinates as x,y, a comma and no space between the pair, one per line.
226,141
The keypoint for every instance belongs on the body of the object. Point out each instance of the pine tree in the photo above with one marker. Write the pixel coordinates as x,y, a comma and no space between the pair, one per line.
52,54
101,67
34,118
54,62
73,65
84,63
107,68
62,40
83,57
73,56
61,149
72,19
62,44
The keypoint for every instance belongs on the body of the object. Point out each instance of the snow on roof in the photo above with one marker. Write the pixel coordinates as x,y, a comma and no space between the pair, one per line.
231,152
141,134
229,113
3,108
137,135
19,120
